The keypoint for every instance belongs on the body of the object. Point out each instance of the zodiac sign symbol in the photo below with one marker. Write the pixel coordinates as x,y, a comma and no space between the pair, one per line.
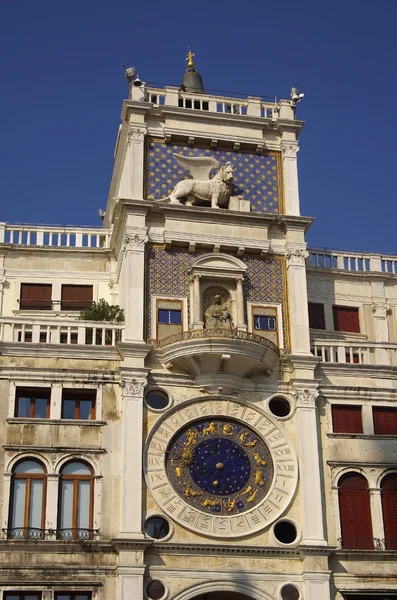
191,437
251,444
253,496
209,430
208,502
190,492
242,437
247,491
228,429
259,460
177,470
187,457
259,477
231,504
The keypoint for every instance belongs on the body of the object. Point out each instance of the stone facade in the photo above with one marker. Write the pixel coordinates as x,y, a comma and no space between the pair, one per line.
192,451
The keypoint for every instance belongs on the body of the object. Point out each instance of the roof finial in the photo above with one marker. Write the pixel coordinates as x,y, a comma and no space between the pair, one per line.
189,58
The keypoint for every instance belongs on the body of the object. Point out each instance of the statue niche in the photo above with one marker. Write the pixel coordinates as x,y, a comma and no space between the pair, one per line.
217,309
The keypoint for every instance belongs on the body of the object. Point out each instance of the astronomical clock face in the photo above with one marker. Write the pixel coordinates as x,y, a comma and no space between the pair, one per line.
220,468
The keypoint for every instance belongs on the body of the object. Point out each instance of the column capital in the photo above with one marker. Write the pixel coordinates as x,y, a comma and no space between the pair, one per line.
296,257
305,398
381,309
133,387
135,240
289,149
135,133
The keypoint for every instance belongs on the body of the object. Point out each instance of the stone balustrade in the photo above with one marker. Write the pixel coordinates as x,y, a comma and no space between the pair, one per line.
362,353
54,236
355,262
60,331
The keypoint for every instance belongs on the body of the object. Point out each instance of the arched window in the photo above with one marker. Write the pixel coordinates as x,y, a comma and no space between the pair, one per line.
76,501
355,512
389,508
27,501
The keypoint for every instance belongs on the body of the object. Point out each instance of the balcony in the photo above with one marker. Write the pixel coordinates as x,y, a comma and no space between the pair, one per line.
65,535
360,353
218,353
86,238
35,330
352,262
367,543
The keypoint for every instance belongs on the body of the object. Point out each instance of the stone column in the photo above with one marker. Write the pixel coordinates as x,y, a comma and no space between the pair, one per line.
289,151
298,311
133,277
378,529
309,467
2,283
52,501
131,179
196,308
131,460
241,325
380,311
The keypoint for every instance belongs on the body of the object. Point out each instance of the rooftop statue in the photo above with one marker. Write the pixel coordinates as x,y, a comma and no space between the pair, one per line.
217,190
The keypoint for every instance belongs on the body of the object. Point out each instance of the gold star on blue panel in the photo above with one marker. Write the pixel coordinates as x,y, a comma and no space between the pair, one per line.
253,173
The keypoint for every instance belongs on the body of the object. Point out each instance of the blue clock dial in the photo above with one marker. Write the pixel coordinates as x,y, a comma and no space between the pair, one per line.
219,466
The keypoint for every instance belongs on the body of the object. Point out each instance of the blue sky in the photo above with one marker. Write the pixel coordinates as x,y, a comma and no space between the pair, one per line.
62,88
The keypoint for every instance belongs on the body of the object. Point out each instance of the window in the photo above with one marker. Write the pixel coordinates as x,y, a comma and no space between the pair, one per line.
264,323
35,296
72,596
385,420
78,404
388,488
22,595
355,512
76,502
346,319
169,317
27,514
33,403
346,419
316,316
76,297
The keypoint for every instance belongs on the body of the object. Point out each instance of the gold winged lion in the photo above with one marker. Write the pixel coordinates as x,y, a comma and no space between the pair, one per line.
216,190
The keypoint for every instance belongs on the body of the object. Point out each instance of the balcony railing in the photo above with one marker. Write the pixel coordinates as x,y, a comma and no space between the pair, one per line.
196,334
27,304
54,331
355,262
362,353
367,543
35,533
54,236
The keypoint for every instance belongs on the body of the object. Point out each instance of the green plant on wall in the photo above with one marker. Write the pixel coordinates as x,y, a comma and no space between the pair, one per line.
102,311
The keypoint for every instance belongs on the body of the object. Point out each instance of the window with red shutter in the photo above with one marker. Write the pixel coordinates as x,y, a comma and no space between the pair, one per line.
346,419
316,316
76,297
346,319
355,512
35,296
389,508
385,420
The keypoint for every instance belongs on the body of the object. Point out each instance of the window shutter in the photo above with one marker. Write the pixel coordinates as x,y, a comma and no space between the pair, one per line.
346,319
389,508
385,420
346,419
36,296
355,512
316,316
76,297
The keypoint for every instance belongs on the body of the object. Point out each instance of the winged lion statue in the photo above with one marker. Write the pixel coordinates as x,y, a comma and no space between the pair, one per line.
217,190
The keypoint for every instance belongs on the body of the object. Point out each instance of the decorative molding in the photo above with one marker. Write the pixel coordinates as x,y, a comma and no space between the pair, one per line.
133,387
306,398
135,241
296,257
289,150
381,310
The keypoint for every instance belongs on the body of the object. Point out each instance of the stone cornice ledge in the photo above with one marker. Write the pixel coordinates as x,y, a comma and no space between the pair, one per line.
80,351
296,552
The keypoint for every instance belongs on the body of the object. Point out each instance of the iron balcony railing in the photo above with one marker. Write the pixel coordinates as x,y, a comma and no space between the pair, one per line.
367,543
65,535
215,333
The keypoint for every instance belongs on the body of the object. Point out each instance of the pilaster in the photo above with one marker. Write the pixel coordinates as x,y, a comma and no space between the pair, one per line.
131,180
132,385
299,317
289,151
133,278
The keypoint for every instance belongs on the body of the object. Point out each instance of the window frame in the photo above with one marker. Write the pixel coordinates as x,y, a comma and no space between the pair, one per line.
356,494
22,595
351,309
353,409
66,305
380,410
251,306
70,393
47,304
32,393
154,312
28,477
72,595
322,319
75,507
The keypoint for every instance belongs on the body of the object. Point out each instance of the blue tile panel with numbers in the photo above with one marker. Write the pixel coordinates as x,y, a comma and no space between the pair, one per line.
256,177
168,275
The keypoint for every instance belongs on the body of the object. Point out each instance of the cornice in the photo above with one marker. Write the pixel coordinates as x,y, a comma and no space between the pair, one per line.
239,550
49,375
326,273
357,370
82,352
53,449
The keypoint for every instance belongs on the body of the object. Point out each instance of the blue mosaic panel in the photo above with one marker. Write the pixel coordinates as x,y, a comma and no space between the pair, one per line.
168,275
256,176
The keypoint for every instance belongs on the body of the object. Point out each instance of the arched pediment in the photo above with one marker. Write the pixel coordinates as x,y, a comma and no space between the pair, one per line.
218,264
